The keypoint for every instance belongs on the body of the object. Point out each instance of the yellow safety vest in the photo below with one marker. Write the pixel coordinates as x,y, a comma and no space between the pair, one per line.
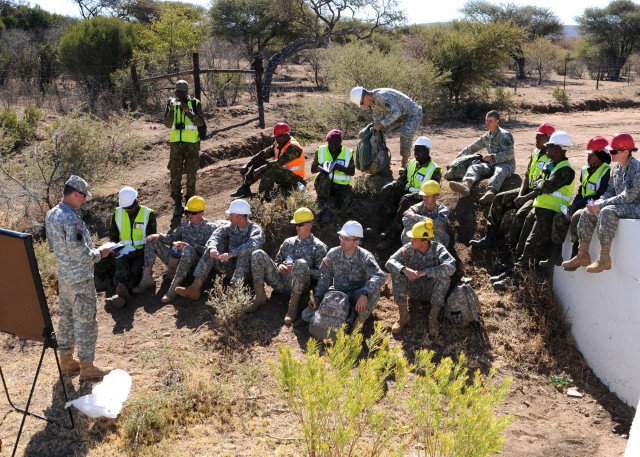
590,186
344,158
136,235
561,196
537,164
189,134
417,176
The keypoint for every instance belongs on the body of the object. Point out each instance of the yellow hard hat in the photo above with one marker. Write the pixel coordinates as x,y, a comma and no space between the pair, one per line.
430,187
195,204
422,230
302,215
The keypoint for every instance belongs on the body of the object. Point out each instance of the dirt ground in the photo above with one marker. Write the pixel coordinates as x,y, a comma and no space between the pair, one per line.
523,340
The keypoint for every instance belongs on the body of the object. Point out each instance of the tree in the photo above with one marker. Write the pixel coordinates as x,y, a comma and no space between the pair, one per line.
138,10
535,21
615,30
541,55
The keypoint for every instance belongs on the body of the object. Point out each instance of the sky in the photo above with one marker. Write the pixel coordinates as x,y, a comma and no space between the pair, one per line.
418,11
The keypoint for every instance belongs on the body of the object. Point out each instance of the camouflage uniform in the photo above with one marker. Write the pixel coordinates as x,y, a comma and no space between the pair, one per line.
274,174
503,202
70,240
326,188
439,215
355,276
620,201
240,242
499,144
307,256
389,106
184,158
436,262
195,235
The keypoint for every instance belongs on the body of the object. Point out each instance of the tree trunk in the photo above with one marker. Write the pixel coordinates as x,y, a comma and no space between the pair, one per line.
520,67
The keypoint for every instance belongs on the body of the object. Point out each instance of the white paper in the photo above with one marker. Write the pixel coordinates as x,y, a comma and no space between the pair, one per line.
327,167
125,250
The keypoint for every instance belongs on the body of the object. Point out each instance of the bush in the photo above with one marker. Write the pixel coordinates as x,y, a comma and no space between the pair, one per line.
229,303
15,132
314,118
560,95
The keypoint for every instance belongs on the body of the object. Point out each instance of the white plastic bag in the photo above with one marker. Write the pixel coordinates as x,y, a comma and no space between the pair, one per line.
107,397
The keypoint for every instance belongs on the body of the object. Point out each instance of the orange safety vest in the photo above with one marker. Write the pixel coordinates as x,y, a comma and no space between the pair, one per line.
296,166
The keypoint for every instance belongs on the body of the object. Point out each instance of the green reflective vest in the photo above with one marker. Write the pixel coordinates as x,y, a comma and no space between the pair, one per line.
561,196
133,235
537,164
188,134
344,158
418,176
591,185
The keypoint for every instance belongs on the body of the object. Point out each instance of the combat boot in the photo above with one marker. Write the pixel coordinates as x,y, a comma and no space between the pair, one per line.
259,299
488,197
487,242
193,291
116,301
172,267
146,281
581,259
463,188
555,258
433,321
178,209
170,295
292,312
399,325
90,371
504,275
68,364
243,191
122,291
603,262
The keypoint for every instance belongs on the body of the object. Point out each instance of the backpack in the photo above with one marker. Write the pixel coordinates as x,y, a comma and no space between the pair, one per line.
462,306
455,170
372,153
333,312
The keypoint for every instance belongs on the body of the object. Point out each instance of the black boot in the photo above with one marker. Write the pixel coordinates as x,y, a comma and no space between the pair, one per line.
488,242
555,258
178,209
574,250
243,191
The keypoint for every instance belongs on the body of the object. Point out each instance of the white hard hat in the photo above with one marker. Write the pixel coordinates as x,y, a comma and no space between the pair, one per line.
356,95
351,228
239,207
127,196
423,141
560,138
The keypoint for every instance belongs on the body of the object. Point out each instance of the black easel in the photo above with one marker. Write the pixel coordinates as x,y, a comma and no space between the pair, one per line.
49,342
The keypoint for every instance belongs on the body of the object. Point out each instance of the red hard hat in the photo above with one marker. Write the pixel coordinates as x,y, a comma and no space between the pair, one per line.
622,142
280,128
546,129
597,143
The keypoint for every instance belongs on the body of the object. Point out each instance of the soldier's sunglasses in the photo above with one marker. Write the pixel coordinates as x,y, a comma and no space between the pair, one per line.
301,224
614,152
191,213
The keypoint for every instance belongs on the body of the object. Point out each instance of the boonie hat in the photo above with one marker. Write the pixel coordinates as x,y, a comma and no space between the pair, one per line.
78,184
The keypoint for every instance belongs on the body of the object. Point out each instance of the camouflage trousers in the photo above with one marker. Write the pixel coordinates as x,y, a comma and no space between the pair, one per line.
395,201
535,237
265,270
498,173
78,325
372,300
188,259
238,269
561,225
272,176
128,271
504,202
432,289
606,221
184,158
408,130
327,190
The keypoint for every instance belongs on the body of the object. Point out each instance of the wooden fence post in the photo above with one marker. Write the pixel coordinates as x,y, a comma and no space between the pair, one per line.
136,86
259,70
196,76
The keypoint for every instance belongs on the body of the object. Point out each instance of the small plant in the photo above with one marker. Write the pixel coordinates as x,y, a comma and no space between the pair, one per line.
17,132
560,95
229,302
47,264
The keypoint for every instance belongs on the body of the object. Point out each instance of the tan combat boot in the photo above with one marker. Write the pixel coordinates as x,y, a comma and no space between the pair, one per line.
170,295
403,320
433,321
581,259
172,267
292,312
89,371
488,197
463,188
68,364
193,291
146,281
603,262
259,299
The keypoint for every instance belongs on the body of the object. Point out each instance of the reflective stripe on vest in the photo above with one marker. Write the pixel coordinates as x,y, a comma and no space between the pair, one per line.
132,235
561,196
537,164
297,164
417,176
590,186
190,132
344,158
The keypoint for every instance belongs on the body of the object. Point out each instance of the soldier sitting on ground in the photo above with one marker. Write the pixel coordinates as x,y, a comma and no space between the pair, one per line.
297,262
420,269
429,208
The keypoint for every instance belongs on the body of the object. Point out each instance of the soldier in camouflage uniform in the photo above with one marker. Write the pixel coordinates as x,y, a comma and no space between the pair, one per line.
498,164
620,201
389,107
286,167
520,200
421,268
183,115
352,270
70,240
429,208
228,250
297,262
184,246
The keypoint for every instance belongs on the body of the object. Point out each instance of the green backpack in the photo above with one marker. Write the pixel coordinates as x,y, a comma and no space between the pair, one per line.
372,153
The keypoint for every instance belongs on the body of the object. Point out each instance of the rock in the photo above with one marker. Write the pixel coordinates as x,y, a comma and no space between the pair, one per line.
573,392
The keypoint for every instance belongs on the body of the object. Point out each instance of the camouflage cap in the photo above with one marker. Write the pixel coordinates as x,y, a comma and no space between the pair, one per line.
78,184
182,85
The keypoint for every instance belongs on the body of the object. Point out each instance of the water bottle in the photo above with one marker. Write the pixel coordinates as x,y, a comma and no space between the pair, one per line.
564,209
289,263
302,188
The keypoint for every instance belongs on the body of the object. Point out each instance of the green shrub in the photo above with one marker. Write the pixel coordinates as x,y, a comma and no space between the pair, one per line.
560,95
229,303
16,132
314,118
47,264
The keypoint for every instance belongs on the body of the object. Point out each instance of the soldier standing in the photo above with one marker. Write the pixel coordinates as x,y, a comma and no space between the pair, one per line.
70,240
421,268
430,208
297,262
